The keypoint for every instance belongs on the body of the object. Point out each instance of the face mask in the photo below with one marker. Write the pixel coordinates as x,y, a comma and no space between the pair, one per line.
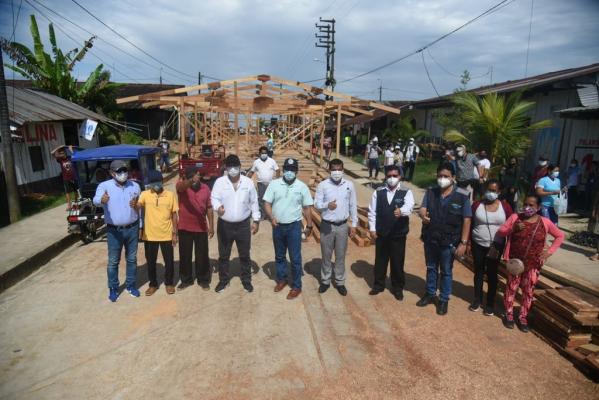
555,174
393,181
157,187
460,153
336,175
411,142
121,176
263,157
528,212
542,163
491,196
289,176
512,162
233,171
195,186
443,182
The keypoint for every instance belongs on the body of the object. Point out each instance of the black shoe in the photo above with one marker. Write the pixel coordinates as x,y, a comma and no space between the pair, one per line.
489,311
323,288
221,286
374,292
248,287
508,323
523,327
442,308
426,300
342,290
398,295
183,286
204,285
475,306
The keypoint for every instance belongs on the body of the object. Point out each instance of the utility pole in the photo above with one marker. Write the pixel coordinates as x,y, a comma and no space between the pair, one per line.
160,75
12,194
327,40
381,92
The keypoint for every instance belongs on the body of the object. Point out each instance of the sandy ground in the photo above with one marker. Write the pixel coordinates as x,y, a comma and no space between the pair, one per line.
61,338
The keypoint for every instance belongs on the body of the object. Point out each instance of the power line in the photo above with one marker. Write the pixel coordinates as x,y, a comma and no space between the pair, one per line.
131,43
489,11
15,22
429,75
532,6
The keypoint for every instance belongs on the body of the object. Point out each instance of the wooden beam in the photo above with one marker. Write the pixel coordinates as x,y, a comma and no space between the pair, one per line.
384,107
182,148
236,123
338,130
361,111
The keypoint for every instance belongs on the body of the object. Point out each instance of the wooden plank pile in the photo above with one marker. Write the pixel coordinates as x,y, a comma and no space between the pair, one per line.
362,237
568,318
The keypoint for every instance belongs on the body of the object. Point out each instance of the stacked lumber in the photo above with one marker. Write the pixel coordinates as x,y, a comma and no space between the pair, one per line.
568,318
362,237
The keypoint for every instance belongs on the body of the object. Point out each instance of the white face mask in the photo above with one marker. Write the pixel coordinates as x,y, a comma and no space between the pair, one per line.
336,175
233,171
491,196
393,181
555,174
121,176
461,153
542,163
443,182
263,157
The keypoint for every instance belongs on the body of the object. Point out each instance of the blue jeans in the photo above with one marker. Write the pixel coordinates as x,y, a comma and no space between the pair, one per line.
549,212
118,238
288,237
439,259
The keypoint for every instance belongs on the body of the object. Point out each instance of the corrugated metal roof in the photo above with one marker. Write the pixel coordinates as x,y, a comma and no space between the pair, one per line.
588,95
26,105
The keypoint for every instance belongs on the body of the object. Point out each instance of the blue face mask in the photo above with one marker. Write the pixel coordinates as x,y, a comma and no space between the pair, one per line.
289,176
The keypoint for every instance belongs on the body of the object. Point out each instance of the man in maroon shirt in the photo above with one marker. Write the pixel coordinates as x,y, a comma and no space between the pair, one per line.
194,209
63,157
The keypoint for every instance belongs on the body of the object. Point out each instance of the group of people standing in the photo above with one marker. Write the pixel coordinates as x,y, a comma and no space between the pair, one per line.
404,157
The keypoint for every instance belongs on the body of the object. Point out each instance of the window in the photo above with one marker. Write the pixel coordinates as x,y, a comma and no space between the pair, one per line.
37,161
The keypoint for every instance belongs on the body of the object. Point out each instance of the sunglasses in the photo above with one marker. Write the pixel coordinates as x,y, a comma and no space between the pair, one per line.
118,171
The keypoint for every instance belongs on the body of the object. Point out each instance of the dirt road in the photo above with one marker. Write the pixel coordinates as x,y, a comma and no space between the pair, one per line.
61,338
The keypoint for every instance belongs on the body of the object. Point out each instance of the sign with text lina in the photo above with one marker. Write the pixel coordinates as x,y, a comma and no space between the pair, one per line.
41,133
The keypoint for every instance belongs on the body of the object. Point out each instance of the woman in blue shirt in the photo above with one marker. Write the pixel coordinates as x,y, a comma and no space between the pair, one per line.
549,187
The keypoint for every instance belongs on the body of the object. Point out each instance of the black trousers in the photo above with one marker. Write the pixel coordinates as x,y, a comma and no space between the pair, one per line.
393,250
195,243
240,233
166,248
484,265
409,167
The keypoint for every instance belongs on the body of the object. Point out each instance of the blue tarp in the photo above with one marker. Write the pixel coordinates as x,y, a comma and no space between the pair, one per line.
115,152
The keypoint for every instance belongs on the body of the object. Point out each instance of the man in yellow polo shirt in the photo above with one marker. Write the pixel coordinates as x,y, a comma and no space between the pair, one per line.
159,230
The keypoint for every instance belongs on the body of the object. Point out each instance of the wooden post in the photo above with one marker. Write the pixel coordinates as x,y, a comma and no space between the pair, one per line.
182,147
212,126
338,130
195,124
304,132
248,130
236,121
321,137
205,127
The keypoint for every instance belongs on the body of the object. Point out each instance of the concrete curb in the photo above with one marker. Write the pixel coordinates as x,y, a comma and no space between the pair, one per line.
33,263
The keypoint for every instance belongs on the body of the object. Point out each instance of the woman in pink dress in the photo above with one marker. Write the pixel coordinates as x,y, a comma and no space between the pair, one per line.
526,234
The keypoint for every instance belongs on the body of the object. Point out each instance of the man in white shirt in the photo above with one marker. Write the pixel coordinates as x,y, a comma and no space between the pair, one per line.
336,201
481,171
389,155
411,153
266,169
235,200
388,219
372,154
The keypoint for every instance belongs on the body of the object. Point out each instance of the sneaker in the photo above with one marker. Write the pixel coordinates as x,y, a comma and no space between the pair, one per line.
523,326
183,286
133,292
221,286
248,287
508,322
489,311
426,300
342,290
113,295
442,308
323,288
474,307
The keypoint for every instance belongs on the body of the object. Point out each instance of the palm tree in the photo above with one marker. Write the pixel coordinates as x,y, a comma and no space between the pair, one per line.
402,129
54,73
496,123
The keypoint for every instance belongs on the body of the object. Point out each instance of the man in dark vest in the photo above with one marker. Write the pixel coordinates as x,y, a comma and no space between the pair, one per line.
446,216
388,217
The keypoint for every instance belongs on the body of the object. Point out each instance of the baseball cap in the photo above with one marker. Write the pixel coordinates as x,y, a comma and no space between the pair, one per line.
290,164
118,164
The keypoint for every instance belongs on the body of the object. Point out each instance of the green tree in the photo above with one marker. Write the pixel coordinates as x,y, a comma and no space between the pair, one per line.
496,123
53,73
402,129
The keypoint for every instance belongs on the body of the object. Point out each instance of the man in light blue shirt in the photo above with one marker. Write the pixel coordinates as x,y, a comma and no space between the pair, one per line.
118,197
285,200
336,201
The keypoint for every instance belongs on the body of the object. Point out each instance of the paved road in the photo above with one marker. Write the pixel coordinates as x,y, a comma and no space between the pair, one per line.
61,338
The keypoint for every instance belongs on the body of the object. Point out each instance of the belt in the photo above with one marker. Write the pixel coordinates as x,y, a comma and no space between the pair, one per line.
236,222
339,223
131,225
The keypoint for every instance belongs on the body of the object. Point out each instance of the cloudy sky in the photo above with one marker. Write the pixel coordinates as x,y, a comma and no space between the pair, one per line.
234,38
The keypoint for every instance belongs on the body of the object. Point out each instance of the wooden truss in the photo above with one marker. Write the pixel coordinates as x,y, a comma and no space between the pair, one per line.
213,107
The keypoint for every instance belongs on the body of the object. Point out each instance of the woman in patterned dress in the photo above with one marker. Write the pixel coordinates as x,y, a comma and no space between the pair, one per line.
526,234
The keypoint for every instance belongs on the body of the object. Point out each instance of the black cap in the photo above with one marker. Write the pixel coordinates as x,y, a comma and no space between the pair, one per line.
290,164
232,161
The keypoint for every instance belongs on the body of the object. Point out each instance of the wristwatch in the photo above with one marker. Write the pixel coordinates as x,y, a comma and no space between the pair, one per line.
308,226
464,242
